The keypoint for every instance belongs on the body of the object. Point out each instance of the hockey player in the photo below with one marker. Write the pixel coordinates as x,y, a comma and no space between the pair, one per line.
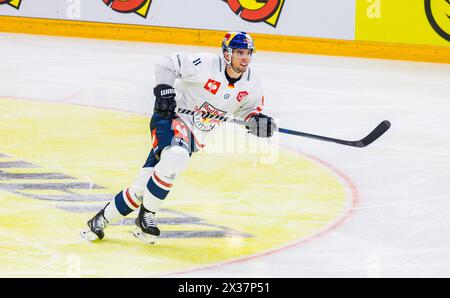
214,84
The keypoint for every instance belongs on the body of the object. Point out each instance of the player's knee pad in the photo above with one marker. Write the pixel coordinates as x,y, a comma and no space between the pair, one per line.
173,161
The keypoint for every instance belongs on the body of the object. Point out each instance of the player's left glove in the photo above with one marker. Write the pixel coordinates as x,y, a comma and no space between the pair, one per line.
261,126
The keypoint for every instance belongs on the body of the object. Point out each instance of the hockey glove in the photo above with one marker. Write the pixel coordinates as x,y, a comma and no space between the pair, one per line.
261,126
165,103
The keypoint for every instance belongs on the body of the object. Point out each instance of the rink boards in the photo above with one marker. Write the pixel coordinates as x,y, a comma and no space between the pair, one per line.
60,163
358,28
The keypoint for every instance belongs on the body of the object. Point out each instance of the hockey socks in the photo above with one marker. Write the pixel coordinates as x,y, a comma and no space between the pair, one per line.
173,161
130,198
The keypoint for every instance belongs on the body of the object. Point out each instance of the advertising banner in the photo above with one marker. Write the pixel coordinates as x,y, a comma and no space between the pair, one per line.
319,18
425,22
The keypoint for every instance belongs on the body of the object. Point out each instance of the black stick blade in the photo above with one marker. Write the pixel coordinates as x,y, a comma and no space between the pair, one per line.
375,134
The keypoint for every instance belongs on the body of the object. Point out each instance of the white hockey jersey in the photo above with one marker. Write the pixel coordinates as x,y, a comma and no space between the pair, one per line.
202,85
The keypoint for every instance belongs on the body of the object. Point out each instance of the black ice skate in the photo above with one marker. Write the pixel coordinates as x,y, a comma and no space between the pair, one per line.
96,225
147,227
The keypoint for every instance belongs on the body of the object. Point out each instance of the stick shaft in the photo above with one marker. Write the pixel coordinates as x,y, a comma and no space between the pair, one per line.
370,138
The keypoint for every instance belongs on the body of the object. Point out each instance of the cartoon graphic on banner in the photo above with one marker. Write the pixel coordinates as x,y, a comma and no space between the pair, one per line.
13,3
140,7
438,14
257,11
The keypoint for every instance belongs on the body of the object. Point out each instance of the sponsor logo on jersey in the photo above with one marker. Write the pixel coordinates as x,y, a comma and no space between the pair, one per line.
212,86
13,3
438,14
206,124
241,96
227,96
140,7
257,11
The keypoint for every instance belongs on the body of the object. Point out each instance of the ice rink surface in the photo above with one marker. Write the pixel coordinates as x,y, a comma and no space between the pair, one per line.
400,223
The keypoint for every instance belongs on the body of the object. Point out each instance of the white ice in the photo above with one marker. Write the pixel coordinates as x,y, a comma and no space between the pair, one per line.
401,227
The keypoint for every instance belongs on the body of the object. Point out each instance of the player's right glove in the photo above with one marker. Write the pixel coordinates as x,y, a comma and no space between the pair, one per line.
262,126
165,103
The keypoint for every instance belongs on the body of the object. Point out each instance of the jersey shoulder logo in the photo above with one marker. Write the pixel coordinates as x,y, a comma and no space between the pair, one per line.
212,86
241,96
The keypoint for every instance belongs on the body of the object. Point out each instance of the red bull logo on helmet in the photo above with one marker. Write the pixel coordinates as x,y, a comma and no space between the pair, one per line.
13,3
140,7
237,40
257,11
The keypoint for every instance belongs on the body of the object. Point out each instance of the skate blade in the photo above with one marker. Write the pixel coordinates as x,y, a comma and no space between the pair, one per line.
144,237
89,235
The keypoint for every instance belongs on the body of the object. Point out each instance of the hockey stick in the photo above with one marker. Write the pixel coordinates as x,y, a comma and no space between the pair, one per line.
369,139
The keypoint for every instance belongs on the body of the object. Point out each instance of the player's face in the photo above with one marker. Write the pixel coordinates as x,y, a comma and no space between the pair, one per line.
241,59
